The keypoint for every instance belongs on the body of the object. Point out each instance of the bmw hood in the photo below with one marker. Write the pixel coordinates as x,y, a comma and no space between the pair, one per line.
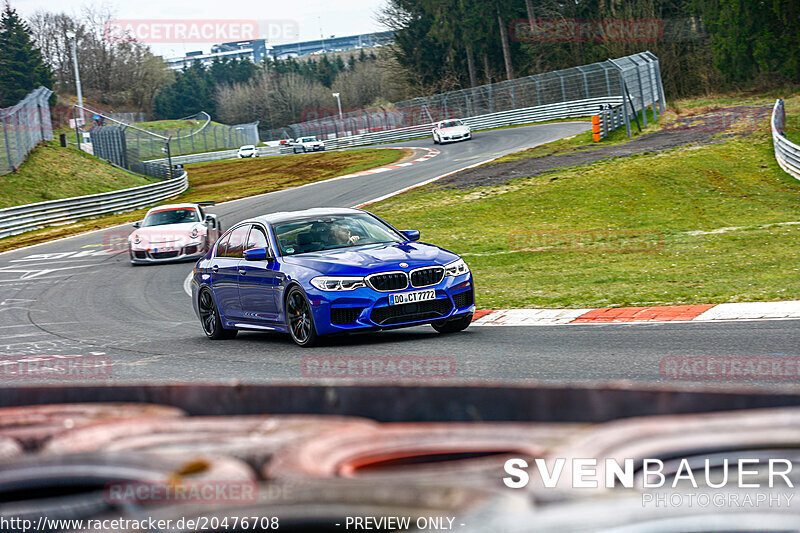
364,260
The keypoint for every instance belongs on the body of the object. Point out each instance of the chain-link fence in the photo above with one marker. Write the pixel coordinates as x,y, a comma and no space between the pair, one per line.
636,78
150,152
129,117
24,126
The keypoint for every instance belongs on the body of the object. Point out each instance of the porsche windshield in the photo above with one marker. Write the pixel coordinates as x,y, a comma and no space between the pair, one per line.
325,233
452,124
171,216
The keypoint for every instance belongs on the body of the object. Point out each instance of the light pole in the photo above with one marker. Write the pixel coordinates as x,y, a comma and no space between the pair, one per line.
72,36
338,101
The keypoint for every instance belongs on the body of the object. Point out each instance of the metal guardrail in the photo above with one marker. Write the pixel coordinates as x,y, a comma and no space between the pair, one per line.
606,121
22,218
214,156
786,152
573,109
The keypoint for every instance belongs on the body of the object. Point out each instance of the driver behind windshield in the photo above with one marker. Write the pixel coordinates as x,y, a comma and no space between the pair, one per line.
340,234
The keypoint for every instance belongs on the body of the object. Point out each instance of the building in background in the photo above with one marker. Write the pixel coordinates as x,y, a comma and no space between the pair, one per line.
257,49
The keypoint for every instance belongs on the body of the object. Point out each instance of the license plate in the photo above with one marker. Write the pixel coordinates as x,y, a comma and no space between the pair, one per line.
412,297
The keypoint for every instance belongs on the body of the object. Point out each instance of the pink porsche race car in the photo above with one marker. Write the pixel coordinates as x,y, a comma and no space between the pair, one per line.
173,232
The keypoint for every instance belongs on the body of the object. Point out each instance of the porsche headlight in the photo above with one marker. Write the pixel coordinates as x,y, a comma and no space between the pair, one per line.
194,233
456,268
337,283
137,239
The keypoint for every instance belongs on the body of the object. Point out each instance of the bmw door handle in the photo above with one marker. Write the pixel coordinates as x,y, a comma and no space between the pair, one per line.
215,268
242,271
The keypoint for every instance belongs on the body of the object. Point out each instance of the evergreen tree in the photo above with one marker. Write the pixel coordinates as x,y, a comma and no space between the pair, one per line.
21,63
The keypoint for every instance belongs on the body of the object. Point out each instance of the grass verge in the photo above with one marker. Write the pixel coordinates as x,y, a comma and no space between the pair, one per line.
52,173
228,180
698,224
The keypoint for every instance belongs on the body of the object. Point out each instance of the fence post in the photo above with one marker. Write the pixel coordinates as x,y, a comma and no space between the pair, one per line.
513,95
585,82
641,94
75,121
8,147
623,92
563,87
653,80
169,159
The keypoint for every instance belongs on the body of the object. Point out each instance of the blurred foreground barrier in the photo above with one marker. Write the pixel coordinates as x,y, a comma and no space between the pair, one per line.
460,453
80,486
33,425
251,438
717,437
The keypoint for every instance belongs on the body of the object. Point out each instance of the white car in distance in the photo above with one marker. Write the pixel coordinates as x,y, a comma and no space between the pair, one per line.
451,131
247,150
307,144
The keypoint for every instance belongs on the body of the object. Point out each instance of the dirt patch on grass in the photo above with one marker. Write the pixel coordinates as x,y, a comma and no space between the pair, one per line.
709,126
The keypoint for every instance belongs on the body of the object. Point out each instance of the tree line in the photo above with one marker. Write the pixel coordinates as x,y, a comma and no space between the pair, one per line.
439,45
702,44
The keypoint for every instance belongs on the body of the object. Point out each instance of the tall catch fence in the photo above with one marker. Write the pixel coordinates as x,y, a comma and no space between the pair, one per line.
635,79
24,125
150,152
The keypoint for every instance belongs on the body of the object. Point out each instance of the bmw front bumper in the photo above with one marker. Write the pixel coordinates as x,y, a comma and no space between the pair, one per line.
366,308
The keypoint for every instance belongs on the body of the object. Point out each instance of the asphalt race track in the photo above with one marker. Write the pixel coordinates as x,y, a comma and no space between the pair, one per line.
75,299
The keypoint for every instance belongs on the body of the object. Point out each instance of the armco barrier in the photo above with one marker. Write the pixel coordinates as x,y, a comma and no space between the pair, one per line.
576,108
214,156
786,152
18,219
606,121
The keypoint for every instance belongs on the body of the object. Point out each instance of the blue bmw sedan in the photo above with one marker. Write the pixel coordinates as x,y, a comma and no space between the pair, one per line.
327,271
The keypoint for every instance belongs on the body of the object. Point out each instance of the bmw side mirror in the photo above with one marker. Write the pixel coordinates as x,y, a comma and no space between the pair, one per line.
411,234
256,254
137,224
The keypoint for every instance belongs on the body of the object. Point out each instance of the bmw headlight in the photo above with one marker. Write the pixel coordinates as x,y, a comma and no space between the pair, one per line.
338,283
456,268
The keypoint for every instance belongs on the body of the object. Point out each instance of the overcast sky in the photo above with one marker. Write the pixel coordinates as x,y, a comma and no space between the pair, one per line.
335,17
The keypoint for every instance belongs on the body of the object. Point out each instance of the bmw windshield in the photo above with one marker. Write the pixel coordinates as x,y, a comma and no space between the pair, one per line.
306,235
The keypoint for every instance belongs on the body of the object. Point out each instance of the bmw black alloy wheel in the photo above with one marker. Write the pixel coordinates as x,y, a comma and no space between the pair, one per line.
301,322
208,313
209,317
